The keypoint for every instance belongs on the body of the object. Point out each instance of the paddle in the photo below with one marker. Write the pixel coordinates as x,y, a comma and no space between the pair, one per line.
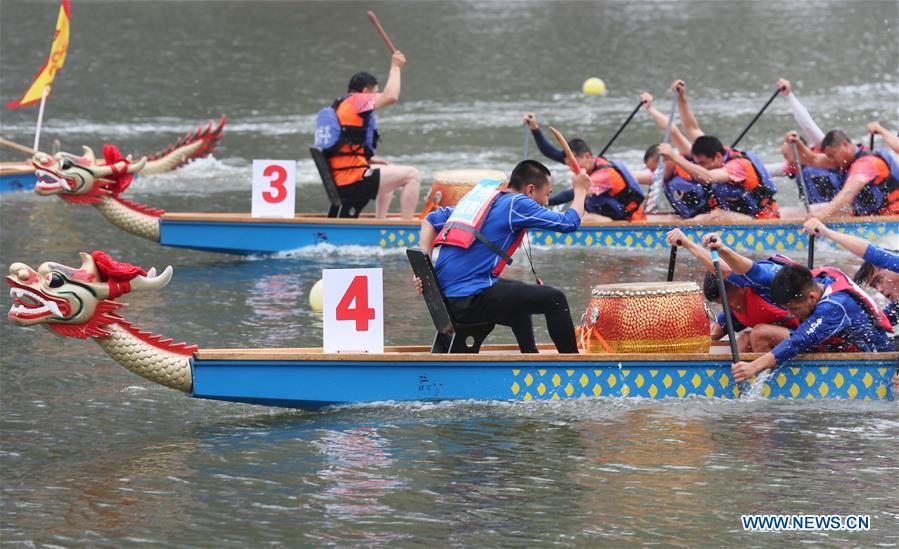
672,257
655,189
803,191
757,116
626,122
734,352
15,146
871,143
527,139
374,21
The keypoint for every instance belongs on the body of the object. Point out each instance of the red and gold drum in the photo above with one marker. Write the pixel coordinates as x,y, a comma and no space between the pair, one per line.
646,317
451,185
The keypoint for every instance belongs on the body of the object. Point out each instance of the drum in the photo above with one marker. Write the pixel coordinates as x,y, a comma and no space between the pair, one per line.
646,317
451,185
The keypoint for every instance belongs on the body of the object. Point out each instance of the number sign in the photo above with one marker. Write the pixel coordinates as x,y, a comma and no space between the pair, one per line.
353,310
274,188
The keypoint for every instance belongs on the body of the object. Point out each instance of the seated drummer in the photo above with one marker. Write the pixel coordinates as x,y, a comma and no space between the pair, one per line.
739,186
615,193
748,295
879,271
871,186
468,268
352,153
836,315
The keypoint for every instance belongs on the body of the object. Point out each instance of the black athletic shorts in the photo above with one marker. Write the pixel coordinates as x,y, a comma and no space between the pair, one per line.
356,195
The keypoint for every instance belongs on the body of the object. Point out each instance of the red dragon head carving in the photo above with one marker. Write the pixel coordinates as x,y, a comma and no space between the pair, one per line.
82,179
76,302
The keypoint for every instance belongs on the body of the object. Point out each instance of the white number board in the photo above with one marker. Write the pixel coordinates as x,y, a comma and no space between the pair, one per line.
353,312
274,188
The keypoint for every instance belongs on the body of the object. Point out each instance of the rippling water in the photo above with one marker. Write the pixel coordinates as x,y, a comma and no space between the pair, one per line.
92,455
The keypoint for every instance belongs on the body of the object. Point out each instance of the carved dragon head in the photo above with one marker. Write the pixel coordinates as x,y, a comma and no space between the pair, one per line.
76,302
82,179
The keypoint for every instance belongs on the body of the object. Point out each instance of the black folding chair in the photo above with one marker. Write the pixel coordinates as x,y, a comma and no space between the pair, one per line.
451,336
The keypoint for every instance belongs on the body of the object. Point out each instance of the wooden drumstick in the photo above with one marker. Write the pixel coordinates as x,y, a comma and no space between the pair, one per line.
380,29
569,156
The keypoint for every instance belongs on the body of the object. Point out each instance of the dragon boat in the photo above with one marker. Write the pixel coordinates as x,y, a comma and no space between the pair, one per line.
83,302
242,234
199,143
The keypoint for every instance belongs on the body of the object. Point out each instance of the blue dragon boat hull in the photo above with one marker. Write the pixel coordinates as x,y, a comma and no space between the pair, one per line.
243,235
16,177
308,379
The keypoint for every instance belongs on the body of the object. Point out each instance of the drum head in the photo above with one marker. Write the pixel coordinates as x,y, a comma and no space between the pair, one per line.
644,288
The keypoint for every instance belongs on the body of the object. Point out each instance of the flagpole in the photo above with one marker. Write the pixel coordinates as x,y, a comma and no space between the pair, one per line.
40,118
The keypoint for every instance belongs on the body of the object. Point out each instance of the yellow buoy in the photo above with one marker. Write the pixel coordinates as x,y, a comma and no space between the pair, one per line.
316,296
594,86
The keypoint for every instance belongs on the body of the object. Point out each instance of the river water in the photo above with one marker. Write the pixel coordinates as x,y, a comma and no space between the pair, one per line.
92,455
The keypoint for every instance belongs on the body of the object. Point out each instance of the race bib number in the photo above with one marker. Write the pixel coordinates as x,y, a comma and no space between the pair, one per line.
274,188
353,312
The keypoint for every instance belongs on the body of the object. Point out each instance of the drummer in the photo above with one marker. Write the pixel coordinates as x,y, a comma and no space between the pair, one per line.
349,138
748,296
615,192
836,314
469,261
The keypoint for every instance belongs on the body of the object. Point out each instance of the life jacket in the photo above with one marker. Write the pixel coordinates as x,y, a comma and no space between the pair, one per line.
739,198
464,225
618,204
759,310
689,198
843,283
347,139
822,184
879,197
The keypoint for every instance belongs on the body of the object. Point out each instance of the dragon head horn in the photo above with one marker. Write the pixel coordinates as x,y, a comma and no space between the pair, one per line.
152,281
120,167
89,154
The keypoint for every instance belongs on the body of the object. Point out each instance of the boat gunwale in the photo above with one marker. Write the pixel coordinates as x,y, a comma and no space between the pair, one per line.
321,219
495,353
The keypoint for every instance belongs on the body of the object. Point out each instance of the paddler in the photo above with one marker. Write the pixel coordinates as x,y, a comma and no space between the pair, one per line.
736,183
836,314
871,186
879,271
748,296
347,134
615,193
470,251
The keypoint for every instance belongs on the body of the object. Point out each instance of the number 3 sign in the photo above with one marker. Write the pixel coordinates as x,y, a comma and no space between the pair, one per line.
353,312
274,188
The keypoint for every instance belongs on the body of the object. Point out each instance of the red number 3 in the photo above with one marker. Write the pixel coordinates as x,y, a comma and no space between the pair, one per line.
277,183
356,294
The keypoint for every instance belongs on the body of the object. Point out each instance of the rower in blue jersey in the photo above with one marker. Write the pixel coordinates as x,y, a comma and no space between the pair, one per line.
879,271
472,242
836,314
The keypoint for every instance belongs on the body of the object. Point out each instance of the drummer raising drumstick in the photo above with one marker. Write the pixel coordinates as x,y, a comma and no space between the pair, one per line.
750,301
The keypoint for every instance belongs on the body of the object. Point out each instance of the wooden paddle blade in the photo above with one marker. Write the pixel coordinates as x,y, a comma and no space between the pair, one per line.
374,21
569,156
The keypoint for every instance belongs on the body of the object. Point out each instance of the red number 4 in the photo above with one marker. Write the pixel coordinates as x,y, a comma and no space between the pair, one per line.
356,294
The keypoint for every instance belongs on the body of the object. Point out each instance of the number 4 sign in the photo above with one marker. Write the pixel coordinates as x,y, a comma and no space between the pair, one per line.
353,312
274,188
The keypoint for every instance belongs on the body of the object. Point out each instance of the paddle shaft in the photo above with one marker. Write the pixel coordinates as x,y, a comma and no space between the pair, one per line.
757,116
672,258
621,129
569,156
527,140
655,188
17,147
374,21
803,190
871,142
735,353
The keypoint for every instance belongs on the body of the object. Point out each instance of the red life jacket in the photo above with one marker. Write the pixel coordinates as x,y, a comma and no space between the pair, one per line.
464,224
761,311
